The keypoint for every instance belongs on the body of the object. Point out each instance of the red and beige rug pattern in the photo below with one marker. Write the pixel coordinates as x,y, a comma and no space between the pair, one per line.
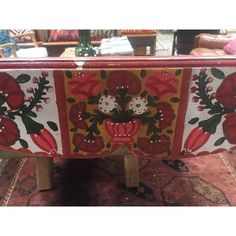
197,181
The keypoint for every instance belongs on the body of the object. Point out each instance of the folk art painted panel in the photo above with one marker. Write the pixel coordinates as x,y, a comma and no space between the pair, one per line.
85,113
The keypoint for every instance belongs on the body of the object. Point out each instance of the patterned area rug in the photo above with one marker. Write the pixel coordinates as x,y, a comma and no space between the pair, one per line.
198,181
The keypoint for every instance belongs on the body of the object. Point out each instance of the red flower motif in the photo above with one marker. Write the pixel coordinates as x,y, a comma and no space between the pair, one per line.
11,90
85,84
9,132
162,84
229,128
75,115
196,139
166,114
226,92
123,80
154,147
45,141
88,145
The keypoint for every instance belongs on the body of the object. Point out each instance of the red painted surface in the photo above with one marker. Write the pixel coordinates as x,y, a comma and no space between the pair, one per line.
122,132
60,95
58,65
117,62
181,112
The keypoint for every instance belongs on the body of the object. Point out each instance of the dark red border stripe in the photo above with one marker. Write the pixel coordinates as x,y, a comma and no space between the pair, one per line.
179,131
116,62
61,102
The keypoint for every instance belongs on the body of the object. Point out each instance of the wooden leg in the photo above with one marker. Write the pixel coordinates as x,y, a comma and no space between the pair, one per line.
131,170
44,173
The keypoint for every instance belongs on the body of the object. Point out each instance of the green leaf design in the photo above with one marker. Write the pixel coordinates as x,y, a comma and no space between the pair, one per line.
69,74
151,101
2,110
204,96
85,115
174,99
103,74
32,127
105,92
52,125
94,99
143,73
2,99
219,141
193,120
219,74
31,113
23,143
70,100
149,130
143,94
211,124
23,78
178,72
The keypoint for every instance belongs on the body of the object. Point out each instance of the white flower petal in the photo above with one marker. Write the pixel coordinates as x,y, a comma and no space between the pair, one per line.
138,105
107,103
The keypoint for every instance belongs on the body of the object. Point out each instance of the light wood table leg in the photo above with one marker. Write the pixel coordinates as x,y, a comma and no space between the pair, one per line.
131,170
44,173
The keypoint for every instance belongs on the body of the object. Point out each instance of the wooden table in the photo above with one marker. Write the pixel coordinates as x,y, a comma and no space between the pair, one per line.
140,42
68,52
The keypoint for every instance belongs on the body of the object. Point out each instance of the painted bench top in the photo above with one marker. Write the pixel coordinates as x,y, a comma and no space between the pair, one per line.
87,107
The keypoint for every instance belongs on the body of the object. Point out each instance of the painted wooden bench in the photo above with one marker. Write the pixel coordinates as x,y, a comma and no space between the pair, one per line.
163,108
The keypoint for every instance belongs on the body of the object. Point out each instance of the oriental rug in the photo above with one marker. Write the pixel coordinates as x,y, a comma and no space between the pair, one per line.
197,181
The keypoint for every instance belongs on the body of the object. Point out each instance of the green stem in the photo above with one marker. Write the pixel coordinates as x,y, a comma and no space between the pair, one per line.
152,129
37,97
210,125
96,118
205,97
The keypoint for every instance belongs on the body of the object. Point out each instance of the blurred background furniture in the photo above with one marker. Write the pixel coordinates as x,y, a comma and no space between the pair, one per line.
32,50
116,46
56,41
211,44
184,39
142,41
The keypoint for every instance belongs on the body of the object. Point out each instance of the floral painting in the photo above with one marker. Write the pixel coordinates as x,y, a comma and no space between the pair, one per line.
210,120
24,125
155,112
137,108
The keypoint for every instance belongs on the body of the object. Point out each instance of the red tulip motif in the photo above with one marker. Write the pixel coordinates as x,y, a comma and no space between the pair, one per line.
195,140
45,141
